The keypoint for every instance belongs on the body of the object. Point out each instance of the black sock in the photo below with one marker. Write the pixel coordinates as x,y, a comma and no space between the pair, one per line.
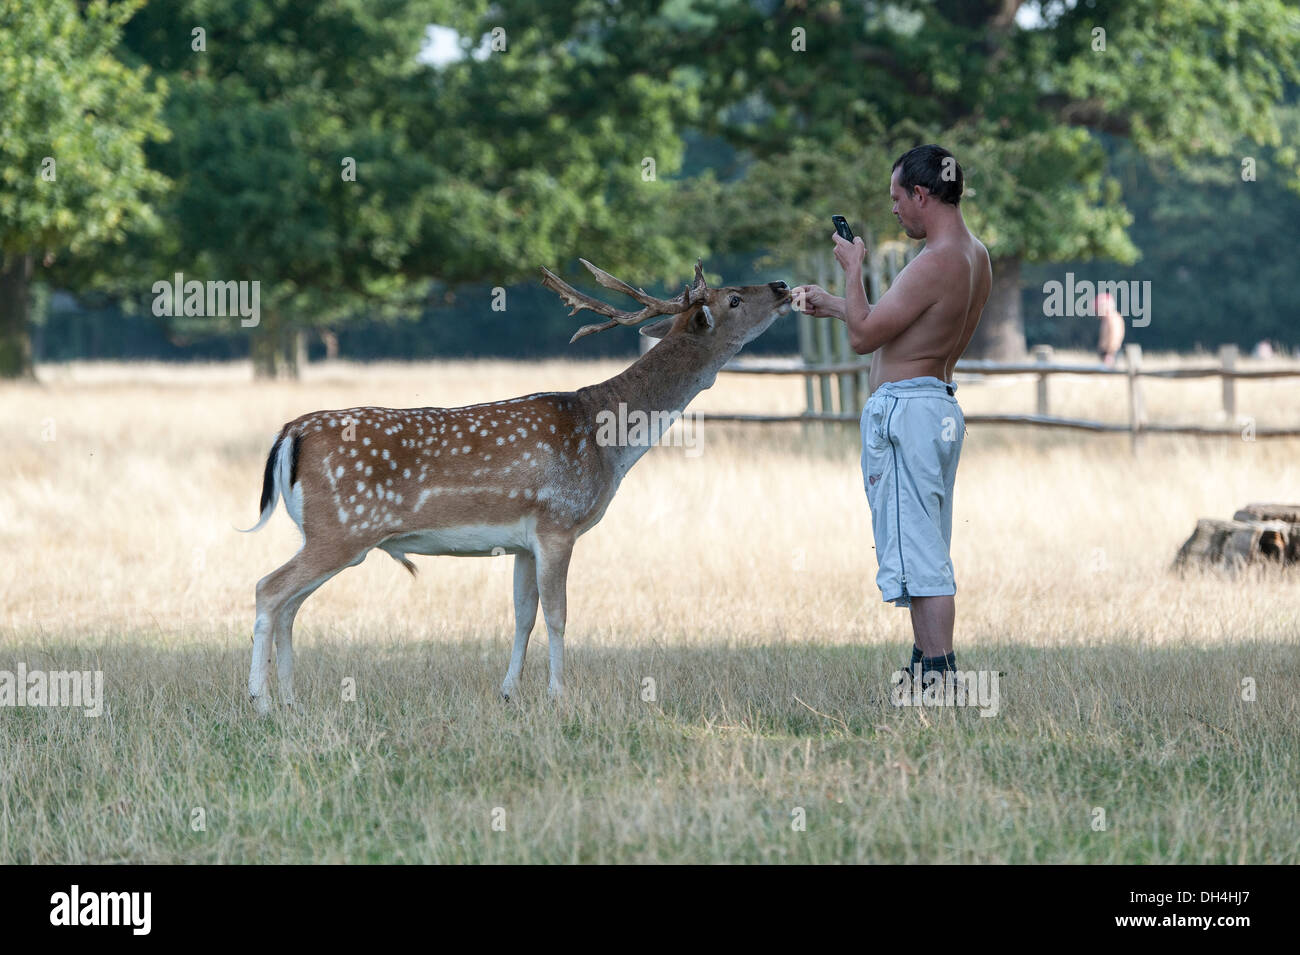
917,657
939,664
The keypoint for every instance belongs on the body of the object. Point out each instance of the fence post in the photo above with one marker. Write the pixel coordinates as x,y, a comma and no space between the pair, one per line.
1228,356
823,339
806,352
822,335
843,353
1042,355
1136,408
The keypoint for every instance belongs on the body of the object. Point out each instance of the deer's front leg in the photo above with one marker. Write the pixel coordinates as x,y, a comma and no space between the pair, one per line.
525,617
552,574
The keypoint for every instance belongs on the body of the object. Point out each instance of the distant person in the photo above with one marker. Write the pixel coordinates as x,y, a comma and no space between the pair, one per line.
912,427
1111,332
1263,350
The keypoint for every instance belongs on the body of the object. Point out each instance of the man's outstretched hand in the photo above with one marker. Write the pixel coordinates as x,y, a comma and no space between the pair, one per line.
816,301
813,300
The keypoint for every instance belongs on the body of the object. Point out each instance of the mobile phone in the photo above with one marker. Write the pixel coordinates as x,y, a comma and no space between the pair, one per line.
842,227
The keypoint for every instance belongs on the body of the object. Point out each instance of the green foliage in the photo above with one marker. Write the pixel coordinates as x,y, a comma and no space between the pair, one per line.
270,107
73,124
1212,245
1021,107
64,97
533,148
544,151
474,171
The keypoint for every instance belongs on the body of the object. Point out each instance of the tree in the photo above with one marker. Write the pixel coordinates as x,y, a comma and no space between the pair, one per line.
1019,95
292,170
73,125
474,171
1213,236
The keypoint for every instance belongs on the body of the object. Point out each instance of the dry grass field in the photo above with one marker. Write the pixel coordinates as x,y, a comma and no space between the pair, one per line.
741,581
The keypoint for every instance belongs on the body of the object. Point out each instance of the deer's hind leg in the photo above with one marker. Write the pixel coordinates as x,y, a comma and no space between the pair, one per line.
279,595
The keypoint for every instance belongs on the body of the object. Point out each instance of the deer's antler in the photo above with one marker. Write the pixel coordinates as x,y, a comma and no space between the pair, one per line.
653,306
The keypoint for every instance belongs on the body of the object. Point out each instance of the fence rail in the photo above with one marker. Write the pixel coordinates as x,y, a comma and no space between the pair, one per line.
852,379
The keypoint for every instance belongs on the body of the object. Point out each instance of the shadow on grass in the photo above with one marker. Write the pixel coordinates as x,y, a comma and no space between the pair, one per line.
663,753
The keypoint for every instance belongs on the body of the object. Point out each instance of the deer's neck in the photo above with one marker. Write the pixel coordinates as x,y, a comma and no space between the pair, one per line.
663,380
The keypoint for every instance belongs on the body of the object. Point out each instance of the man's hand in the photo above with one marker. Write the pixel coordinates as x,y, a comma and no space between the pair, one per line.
849,254
816,301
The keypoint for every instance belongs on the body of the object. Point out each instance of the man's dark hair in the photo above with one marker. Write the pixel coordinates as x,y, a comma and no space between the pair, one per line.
926,166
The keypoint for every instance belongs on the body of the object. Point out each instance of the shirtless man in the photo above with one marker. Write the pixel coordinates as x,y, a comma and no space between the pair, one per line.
912,427
1111,329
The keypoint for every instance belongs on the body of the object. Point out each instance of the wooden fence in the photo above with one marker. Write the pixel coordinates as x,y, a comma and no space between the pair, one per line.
1137,424
835,379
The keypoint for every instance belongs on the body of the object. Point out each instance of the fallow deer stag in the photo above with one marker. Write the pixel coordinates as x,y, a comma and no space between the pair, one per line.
526,476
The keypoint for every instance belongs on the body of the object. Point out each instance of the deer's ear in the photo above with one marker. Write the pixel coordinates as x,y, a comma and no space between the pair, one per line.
702,320
659,329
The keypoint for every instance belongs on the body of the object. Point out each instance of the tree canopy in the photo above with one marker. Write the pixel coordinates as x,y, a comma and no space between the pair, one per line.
315,149
74,123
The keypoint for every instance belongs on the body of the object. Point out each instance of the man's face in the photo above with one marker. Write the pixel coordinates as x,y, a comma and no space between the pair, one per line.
905,209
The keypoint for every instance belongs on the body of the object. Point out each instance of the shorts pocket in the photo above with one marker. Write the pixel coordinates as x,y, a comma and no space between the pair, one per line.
875,429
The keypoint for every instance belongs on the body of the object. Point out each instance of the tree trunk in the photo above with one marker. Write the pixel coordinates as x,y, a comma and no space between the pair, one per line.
262,349
15,309
274,348
1001,332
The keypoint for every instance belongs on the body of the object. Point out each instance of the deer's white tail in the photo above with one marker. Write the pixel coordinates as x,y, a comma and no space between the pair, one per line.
279,481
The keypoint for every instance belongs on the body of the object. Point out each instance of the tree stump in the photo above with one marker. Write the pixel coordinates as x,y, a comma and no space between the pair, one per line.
1269,512
1258,533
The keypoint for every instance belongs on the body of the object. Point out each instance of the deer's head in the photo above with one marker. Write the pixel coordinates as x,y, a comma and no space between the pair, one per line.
723,318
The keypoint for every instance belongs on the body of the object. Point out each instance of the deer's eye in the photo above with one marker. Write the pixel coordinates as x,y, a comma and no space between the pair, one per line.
734,301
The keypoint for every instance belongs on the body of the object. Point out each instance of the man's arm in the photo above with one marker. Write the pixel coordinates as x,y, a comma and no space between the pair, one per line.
855,302
833,305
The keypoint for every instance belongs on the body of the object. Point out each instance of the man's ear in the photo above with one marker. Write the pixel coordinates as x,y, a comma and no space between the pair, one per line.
660,328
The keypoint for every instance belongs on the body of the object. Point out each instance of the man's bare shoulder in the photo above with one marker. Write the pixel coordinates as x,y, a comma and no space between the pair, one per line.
945,260
922,272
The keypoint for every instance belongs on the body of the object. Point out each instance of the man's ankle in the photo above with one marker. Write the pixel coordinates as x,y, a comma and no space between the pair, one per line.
939,664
